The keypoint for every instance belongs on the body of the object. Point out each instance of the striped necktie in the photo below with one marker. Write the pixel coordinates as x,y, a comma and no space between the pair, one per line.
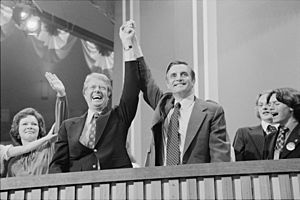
173,153
281,138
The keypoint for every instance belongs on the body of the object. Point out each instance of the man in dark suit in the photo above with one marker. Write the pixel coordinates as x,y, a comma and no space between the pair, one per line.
200,133
250,143
285,109
92,142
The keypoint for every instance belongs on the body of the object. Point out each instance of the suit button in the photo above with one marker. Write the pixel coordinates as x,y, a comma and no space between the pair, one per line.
95,150
94,166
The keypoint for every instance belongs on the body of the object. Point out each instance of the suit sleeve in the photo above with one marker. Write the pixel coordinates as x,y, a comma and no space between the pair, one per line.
61,111
130,95
239,145
151,92
219,141
60,159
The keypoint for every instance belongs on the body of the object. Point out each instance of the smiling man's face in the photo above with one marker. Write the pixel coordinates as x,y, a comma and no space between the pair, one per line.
96,94
263,109
281,112
179,80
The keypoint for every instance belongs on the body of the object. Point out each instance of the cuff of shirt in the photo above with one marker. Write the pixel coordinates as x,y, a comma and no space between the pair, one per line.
128,55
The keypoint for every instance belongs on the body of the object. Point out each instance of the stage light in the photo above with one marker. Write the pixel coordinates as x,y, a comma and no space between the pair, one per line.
33,24
24,15
21,13
27,20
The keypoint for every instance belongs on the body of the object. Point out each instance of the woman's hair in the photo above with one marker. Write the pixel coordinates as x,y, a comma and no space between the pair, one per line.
14,130
289,97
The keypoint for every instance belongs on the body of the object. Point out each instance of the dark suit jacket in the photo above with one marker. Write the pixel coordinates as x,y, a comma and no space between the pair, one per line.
111,133
291,148
206,138
250,143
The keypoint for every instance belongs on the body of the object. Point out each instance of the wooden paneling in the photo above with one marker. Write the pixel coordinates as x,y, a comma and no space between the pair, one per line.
268,180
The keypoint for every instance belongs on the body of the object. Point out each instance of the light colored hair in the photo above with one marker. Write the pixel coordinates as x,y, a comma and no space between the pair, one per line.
98,76
267,92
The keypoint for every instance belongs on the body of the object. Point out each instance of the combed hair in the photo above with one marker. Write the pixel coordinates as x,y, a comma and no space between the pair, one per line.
178,62
98,76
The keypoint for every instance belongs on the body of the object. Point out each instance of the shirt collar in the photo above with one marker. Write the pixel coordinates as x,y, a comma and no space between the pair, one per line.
90,115
265,125
291,125
186,102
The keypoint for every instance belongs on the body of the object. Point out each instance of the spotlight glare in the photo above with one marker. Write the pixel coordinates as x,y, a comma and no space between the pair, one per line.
24,15
33,24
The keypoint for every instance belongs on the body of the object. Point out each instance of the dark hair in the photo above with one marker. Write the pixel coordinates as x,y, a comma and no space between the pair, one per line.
289,97
14,130
178,62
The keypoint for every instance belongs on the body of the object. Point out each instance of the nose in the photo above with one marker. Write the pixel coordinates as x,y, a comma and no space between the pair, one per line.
97,89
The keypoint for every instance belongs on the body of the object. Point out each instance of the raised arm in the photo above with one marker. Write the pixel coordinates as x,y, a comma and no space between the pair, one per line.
151,92
61,105
19,150
129,99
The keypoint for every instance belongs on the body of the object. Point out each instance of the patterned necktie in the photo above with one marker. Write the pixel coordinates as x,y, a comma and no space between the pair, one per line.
271,129
173,153
281,138
92,134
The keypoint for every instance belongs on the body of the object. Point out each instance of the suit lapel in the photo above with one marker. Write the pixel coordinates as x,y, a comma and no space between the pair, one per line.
162,110
292,142
258,139
77,127
195,122
100,125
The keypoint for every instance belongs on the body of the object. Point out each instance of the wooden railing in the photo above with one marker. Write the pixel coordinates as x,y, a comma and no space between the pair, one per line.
239,180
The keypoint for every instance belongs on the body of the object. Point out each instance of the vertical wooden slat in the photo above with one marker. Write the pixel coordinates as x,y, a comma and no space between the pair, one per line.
209,185
174,189
183,189
296,186
265,187
113,190
285,186
96,191
165,192
136,190
227,188
246,187
201,188
191,188
104,192
19,194
275,187
69,192
256,188
4,195
34,194
52,193
156,190
237,187
84,192
121,191
218,188
147,187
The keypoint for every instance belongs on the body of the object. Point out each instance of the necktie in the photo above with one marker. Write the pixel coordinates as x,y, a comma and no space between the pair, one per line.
281,138
272,129
173,153
92,133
